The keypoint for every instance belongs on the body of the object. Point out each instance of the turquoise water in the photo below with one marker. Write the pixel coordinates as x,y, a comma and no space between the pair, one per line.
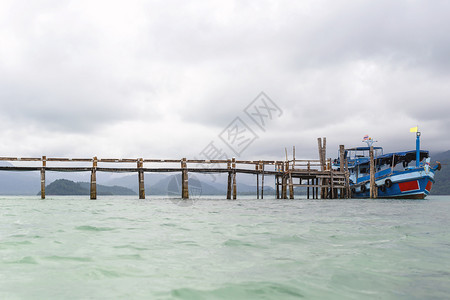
125,248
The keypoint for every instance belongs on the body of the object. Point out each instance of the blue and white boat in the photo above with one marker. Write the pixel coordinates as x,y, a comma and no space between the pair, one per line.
395,176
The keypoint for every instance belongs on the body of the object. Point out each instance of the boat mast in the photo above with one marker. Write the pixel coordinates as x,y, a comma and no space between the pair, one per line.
417,149
416,130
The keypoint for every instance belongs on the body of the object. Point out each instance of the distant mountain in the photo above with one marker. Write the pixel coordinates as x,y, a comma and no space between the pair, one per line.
171,186
18,183
68,187
442,177
131,181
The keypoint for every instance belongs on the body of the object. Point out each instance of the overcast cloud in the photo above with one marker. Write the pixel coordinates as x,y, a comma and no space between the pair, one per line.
162,79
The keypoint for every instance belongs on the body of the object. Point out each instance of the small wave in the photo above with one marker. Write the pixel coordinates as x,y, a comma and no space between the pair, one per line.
187,243
130,247
294,239
16,243
239,243
93,228
130,256
100,273
26,260
252,290
68,258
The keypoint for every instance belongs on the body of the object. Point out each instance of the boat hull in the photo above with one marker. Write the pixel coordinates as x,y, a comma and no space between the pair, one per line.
413,184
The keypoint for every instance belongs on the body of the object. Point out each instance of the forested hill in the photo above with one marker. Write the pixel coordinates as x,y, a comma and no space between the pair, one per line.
68,187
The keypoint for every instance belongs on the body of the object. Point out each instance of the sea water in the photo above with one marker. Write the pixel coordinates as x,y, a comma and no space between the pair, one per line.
212,248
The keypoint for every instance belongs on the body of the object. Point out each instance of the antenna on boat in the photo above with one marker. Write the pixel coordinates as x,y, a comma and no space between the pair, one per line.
368,140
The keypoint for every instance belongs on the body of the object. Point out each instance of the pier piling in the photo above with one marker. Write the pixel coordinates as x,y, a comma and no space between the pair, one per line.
184,180
140,165
230,180
233,165
44,164
94,179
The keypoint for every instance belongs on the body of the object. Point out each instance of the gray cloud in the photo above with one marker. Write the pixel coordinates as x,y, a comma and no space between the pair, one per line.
165,78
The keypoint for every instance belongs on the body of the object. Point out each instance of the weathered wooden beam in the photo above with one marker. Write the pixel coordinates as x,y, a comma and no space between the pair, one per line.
140,165
184,180
307,189
277,184
291,186
94,179
333,195
283,181
44,164
230,179
233,166
342,167
69,159
261,166
257,181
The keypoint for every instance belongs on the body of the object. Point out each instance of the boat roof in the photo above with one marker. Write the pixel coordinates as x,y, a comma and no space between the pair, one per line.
424,153
398,157
363,148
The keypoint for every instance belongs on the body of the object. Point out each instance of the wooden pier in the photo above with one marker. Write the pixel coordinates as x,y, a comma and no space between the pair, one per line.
317,176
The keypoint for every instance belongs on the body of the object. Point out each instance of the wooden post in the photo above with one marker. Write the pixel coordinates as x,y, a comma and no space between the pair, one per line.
283,182
291,186
341,166
44,164
257,181
319,146
313,189
229,186
317,188
307,190
293,157
184,180
372,174
262,179
341,157
322,144
140,165
333,194
348,194
324,192
277,183
233,166
94,179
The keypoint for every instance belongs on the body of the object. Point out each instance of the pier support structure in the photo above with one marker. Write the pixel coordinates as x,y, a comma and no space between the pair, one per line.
233,166
230,180
184,180
140,165
44,164
288,174
94,179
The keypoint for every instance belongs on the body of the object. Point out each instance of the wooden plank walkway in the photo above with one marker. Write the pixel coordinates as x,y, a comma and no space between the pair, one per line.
317,176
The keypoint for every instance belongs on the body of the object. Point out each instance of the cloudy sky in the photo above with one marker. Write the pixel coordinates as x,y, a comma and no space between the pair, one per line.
168,79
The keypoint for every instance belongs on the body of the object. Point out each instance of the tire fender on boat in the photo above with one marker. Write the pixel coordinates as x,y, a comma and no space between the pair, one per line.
388,183
363,188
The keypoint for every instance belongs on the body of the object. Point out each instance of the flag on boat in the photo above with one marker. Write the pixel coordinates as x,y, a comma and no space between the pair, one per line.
366,137
413,129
